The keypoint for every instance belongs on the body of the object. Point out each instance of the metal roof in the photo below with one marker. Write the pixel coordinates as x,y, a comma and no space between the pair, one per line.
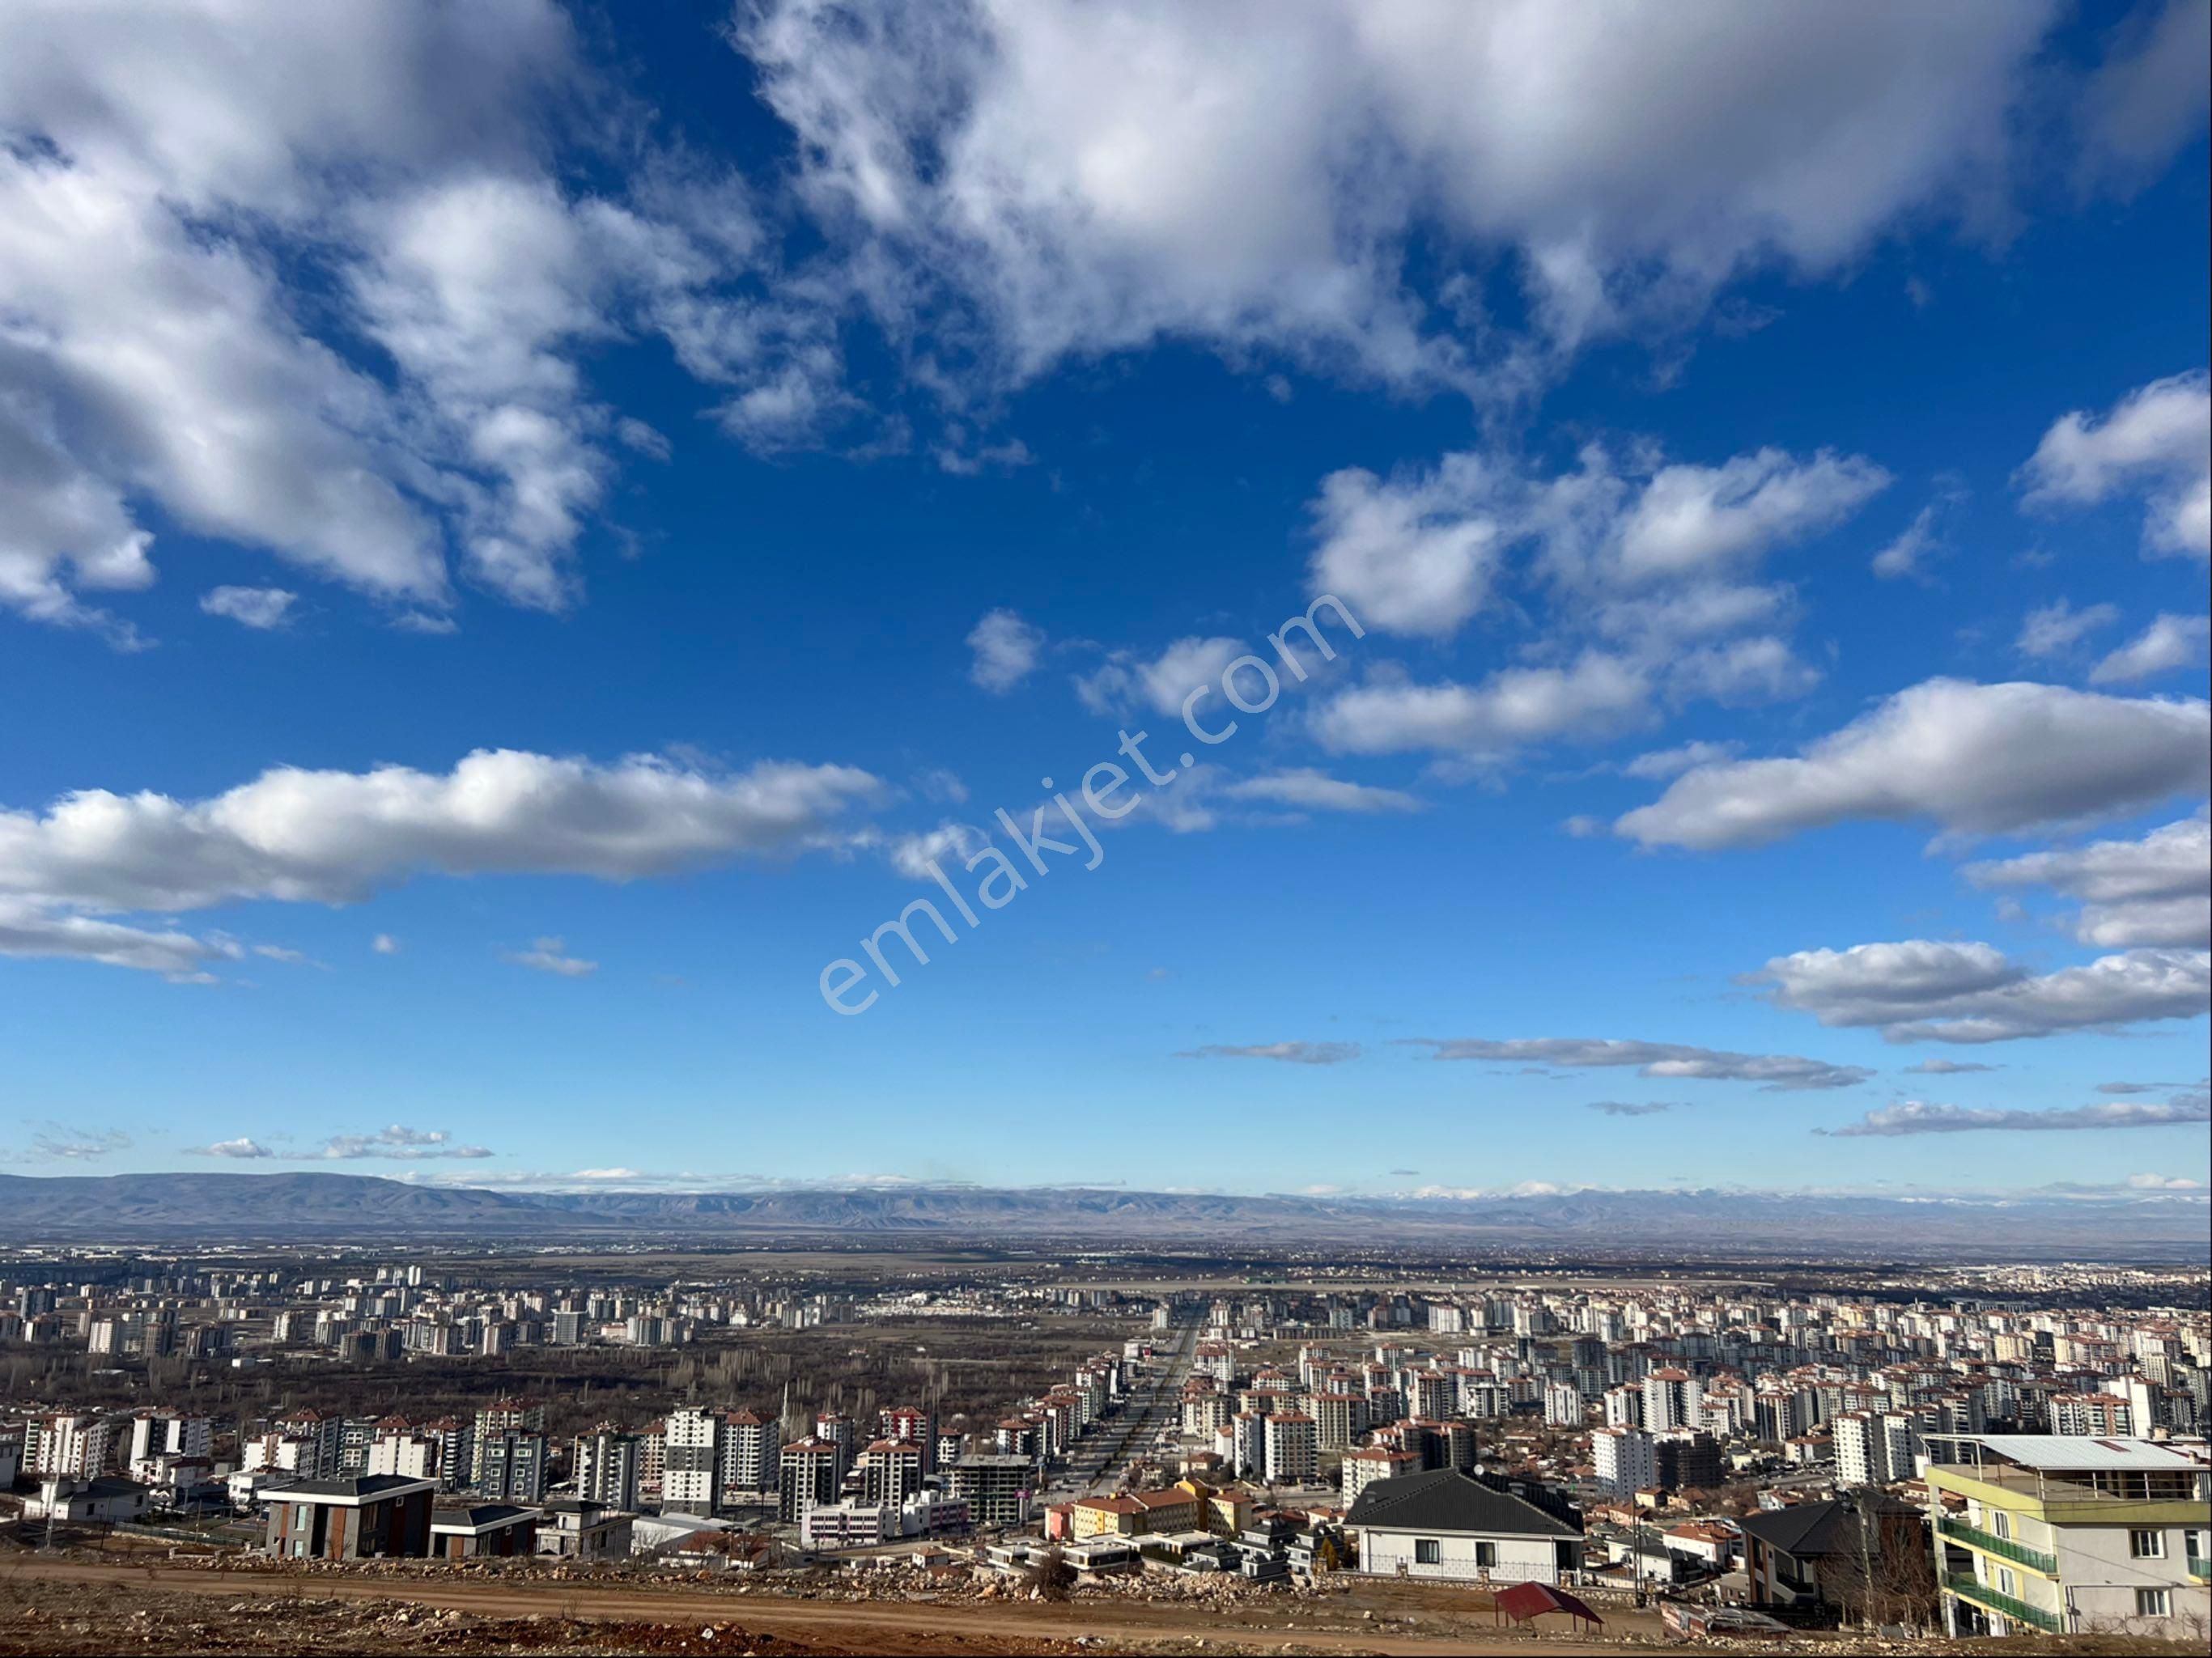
2060,1453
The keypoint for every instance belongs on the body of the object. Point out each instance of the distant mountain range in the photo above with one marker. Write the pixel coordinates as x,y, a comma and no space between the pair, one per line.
1680,1225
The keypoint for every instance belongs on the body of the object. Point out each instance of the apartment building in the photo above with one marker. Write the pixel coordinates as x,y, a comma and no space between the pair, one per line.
691,1465
809,1473
607,1467
751,1445
2071,1535
1292,1450
514,1465
1625,1459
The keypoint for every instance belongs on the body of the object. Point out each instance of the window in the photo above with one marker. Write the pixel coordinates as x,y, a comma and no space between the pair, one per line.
1486,1555
2154,1603
2147,1545
2000,1523
2007,1583
1427,1551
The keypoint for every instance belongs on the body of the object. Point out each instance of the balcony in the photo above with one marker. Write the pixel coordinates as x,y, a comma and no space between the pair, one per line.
2004,1547
1968,1588
2200,1569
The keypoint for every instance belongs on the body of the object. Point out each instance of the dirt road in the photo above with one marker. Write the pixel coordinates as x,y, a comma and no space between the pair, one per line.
1116,1627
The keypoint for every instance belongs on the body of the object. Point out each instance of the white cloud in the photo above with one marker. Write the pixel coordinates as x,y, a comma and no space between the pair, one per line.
911,855
384,944
1005,649
1126,681
215,203
55,1142
2170,642
1777,1071
1663,763
2057,627
549,956
1253,176
1691,520
335,837
1414,554
261,608
1947,1068
1309,790
2147,98
30,930
1631,1109
1902,556
1291,1053
1916,1117
1923,990
399,1144
240,1148
1597,696
1950,750
2157,441
2151,891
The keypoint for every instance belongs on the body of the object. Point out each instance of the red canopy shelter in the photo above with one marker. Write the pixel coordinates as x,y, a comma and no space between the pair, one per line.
1526,1601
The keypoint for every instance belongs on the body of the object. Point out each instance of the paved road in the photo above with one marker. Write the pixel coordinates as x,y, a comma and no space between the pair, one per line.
1103,1466
1115,1626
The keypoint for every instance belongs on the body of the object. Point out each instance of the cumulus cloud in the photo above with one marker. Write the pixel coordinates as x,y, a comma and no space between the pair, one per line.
550,955
212,205
1413,555
384,944
2156,442
2057,627
259,608
1126,681
1290,1053
1916,1117
2150,891
1949,750
1006,648
1596,696
1263,180
2170,642
1923,990
240,1148
335,837
1777,1072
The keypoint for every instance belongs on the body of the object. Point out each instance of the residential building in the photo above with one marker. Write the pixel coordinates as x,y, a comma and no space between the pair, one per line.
607,1467
691,1465
1624,1460
997,1488
1453,1525
1292,1450
376,1516
514,1466
810,1472
496,1529
1861,1556
751,1446
2067,1535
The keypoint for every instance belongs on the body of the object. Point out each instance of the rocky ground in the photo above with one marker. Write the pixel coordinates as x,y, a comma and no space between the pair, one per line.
86,1604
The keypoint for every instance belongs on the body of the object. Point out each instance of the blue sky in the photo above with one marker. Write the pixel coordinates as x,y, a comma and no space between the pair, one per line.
1766,456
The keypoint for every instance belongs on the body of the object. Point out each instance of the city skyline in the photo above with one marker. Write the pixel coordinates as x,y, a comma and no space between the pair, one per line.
497,605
